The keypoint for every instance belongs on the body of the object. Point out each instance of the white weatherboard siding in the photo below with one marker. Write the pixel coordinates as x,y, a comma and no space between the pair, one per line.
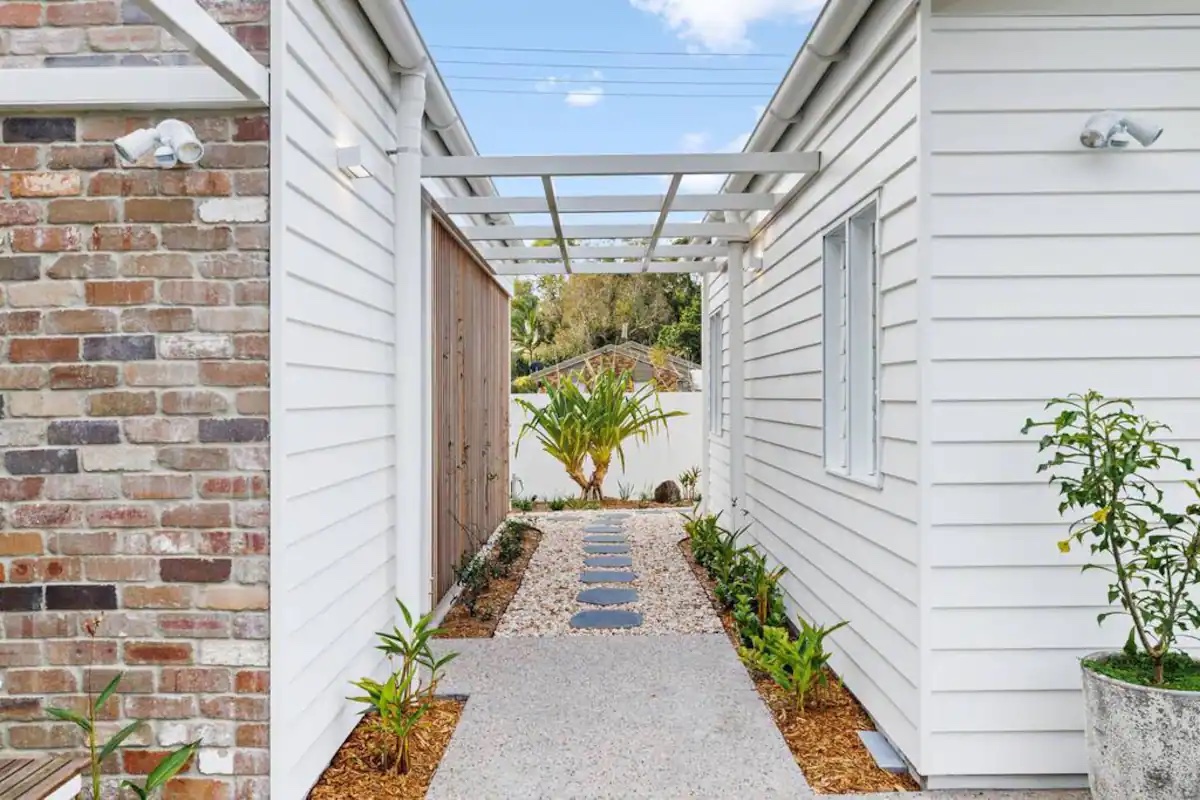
851,549
334,546
718,486
1052,269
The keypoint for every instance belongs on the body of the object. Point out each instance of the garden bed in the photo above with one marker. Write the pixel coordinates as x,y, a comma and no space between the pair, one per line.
355,771
459,623
824,739
609,503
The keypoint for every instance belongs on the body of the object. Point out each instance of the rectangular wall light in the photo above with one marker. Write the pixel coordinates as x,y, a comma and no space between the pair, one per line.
349,161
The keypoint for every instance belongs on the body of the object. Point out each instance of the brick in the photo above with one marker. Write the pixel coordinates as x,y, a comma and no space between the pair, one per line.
60,211
81,597
137,761
124,183
242,429
160,431
123,237
232,209
20,433
134,681
158,652
45,570
250,458
194,237
157,265
83,376
119,293
226,374
253,402
45,184
20,213
233,266
251,129
43,404
195,570
45,240
45,515
194,183
81,320
41,462
82,265
195,626
232,543
44,349
38,129
96,12
44,736
159,707
214,761
157,596
159,209
118,459
196,346
21,544
39,681
252,237
252,293
44,40
194,459
121,569
18,157
39,625
235,156
235,598
82,157
21,598
82,651
21,709
104,129
14,490
45,293
253,515
61,432
252,735
195,293
122,404
17,322
83,544
197,515
124,39
82,487
122,516
20,654
157,320
194,401
244,707
161,374
252,182
234,487
197,789
21,378
156,487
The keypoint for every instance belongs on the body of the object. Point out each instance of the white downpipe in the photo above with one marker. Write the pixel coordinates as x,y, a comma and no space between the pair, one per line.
737,385
412,519
710,361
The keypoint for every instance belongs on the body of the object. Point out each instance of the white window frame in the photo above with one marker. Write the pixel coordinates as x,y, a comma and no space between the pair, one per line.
716,373
850,344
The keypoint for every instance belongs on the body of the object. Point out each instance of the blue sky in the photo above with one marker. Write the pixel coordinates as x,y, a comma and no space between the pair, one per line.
594,118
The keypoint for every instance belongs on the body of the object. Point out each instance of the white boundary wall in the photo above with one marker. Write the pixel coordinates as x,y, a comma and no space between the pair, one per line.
647,464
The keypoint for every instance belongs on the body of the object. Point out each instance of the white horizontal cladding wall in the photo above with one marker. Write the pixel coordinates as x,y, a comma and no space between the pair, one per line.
662,457
1053,269
333,555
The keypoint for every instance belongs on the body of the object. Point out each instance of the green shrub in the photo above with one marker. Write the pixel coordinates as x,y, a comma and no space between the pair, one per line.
523,503
796,665
624,490
557,503
473,574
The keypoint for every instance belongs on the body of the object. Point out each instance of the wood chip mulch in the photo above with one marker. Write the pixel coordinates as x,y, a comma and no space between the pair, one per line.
824,739
458,624
356,773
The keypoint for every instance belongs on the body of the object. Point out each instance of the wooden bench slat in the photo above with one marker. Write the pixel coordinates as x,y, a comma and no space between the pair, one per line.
35,779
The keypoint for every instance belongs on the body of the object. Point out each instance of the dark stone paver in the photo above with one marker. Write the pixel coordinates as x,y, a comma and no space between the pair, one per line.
609,549
607,597
606,618
605,576
605,538
603,529
614,517
609,562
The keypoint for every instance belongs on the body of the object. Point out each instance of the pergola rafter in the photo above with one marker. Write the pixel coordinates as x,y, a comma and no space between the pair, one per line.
612,248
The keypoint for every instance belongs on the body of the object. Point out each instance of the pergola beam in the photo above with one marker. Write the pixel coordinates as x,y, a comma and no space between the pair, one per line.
663,213
192,88
192,25
556,222
609,165
613,251
605,267
672,230
602,204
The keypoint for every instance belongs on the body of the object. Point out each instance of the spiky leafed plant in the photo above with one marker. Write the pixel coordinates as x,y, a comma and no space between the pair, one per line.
526,334
599,422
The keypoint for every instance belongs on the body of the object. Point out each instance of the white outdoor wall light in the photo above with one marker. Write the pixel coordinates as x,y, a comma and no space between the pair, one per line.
349,161
1114,129
173,141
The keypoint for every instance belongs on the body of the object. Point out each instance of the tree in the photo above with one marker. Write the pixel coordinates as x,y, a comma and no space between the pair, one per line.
683,338
526,334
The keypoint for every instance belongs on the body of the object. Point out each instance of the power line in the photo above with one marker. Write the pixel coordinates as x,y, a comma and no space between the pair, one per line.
694,96
607,52
512,78
603,66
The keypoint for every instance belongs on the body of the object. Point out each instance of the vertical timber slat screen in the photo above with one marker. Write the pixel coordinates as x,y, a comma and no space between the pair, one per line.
470,405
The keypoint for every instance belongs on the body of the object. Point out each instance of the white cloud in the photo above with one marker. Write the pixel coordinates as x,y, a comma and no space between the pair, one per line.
709,184
693,142
723,24
585,98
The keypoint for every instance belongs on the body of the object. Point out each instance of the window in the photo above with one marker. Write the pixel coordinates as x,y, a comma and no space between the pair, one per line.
851,319
716,374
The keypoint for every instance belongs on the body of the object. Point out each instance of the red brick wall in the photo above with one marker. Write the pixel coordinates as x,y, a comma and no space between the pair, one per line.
133,425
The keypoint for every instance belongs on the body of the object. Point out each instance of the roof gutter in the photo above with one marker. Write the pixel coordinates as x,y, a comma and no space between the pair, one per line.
824,45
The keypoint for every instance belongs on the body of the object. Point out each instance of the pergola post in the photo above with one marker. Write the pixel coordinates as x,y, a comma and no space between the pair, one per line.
737,383
413,502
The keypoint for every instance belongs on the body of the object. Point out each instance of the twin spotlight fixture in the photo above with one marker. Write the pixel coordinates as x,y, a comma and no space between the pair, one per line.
1116,129
172,141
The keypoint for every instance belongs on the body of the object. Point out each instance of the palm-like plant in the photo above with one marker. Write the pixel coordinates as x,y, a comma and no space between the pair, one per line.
574,426
526,334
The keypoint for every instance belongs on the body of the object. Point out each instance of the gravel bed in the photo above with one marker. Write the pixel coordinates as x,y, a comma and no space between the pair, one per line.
669,598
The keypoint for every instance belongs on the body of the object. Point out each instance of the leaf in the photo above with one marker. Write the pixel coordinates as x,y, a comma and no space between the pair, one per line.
69,716
1064,546
120,736
1131,643
170,766
139,791
107,693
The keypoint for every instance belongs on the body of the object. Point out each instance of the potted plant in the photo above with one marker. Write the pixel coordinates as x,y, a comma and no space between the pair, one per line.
1142,704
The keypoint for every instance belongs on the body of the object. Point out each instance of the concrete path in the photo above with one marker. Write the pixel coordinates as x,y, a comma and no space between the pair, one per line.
610,717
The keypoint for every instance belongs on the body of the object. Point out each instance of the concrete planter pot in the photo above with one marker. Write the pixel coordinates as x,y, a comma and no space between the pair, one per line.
1142,741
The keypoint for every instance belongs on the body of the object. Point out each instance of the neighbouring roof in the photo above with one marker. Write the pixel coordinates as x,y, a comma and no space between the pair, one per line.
670,372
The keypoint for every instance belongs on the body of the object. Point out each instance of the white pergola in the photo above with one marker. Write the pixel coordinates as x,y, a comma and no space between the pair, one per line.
613,248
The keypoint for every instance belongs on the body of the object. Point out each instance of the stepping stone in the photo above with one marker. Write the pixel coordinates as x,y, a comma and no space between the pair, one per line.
606,618
608,562
603,529
605,538
607,597
606,549
616,516
605,576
